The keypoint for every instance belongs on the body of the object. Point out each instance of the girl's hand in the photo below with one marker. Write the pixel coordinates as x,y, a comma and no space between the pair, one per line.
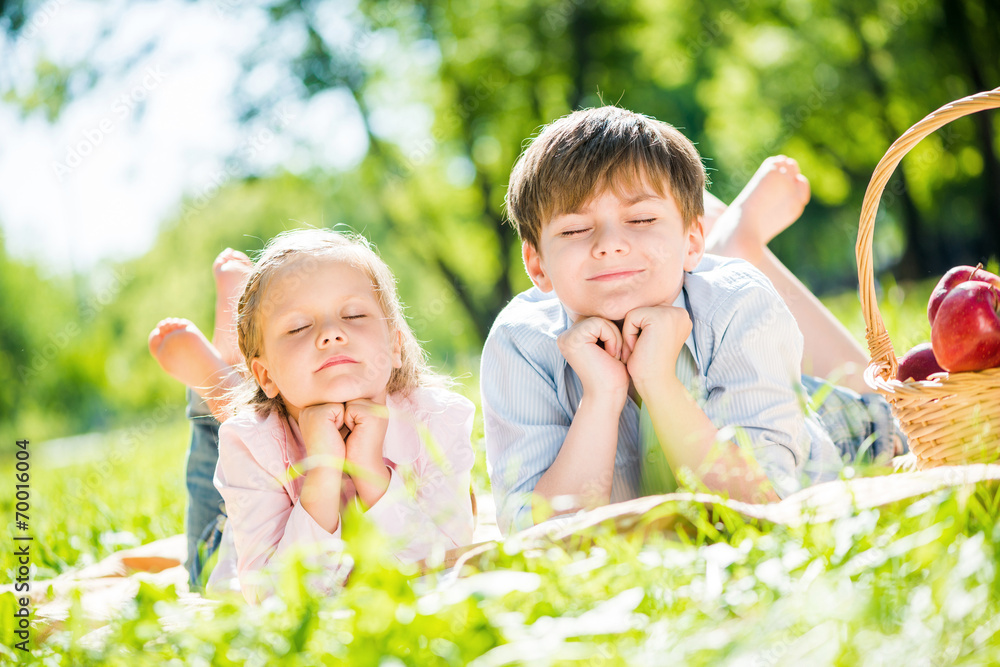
320,426
367,421
652,341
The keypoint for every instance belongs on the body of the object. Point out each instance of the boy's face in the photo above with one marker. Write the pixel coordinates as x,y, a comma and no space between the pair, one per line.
615,254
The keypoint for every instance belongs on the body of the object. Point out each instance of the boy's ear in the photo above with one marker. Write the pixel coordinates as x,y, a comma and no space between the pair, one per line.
263,377
533,265
695,245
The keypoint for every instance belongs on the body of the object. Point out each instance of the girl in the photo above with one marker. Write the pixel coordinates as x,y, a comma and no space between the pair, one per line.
336,406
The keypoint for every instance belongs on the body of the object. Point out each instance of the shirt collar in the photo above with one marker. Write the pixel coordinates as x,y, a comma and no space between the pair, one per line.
682,302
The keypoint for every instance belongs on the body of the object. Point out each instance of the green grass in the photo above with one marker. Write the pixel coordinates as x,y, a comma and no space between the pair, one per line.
91,497
903,308
914,582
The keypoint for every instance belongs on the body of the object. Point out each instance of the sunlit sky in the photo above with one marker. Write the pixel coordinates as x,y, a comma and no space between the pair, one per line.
97,183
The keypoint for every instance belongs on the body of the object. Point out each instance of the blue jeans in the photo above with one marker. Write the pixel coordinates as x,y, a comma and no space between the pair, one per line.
204,501
861,425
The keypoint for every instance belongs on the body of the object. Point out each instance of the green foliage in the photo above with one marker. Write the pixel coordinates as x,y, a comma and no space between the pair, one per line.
874,587
50,363
94,495
49,95
450,93
903,307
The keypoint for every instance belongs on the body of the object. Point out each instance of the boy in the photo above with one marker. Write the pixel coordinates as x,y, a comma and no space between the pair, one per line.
627,310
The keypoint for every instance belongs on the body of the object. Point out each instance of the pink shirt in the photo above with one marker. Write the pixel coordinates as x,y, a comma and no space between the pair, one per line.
261,491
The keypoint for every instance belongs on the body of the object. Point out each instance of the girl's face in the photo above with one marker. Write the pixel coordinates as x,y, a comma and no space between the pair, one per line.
325,338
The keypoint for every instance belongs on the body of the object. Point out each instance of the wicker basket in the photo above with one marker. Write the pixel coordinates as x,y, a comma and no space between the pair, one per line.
955,419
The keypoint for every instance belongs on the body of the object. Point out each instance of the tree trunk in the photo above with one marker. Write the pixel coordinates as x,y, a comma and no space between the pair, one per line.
916,259
958,28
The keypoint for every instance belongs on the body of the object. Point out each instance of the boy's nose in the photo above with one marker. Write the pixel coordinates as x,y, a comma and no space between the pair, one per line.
609,241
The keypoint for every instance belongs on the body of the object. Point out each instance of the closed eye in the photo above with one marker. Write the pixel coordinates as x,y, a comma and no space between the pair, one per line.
355,317
642,221
298,329
573,232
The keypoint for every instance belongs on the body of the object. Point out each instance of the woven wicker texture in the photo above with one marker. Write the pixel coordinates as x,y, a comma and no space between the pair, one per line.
947,420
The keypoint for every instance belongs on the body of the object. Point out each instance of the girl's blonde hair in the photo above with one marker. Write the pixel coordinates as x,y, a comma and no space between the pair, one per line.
307,247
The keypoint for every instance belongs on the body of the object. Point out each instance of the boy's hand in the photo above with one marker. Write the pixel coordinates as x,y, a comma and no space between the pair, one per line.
321,425
593,348
653,338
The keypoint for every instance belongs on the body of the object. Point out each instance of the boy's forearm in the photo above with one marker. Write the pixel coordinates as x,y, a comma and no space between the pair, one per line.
584,467
690,440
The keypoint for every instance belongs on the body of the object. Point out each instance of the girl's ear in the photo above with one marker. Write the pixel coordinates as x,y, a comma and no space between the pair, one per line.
533,265
695,242
397,351
263,377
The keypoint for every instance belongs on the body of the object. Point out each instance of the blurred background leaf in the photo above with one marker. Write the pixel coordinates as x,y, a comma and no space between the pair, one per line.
448,93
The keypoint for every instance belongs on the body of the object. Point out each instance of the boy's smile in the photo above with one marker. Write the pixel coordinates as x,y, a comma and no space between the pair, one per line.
608,276
615,254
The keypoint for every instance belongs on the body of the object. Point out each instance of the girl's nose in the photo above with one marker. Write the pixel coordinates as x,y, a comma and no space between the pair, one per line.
331,333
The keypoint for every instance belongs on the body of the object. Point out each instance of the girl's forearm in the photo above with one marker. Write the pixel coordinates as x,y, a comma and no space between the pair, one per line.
321,495
371,482
690,440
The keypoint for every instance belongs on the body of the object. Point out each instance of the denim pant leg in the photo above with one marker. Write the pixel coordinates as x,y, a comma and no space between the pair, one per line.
860,425
203,498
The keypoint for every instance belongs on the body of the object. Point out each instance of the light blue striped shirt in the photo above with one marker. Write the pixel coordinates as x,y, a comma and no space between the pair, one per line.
742,362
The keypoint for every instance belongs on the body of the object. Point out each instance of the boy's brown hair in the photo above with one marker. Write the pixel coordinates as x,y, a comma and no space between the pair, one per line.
583,154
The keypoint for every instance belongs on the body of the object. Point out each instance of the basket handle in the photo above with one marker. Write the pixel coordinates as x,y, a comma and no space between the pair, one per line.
879,344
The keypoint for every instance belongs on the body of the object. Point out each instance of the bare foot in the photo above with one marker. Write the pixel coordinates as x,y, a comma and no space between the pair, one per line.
773,199
231,269
184,352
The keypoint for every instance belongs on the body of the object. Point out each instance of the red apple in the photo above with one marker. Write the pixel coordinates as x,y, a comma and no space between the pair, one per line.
966,329
918,364
957,276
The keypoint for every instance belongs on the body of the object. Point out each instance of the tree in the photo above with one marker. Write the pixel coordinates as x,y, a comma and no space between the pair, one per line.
449,92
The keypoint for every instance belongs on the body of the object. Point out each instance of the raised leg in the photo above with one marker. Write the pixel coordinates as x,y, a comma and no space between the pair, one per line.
829,350
773,199
203,498
186,355
230,269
